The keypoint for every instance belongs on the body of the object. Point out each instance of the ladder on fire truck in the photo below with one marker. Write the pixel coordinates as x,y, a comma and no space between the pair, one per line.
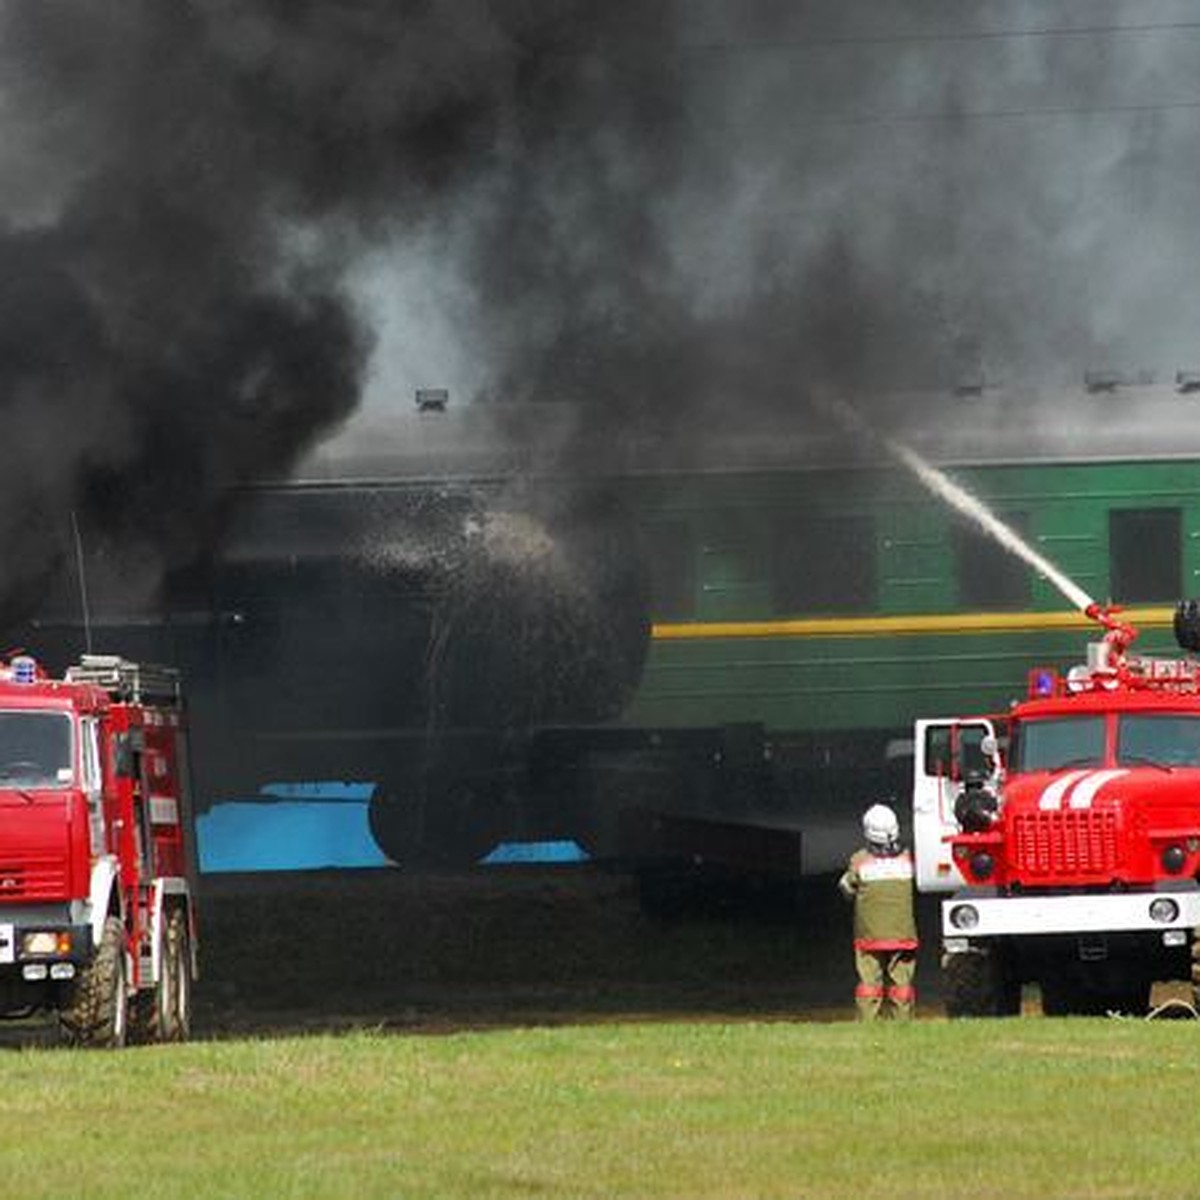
134,683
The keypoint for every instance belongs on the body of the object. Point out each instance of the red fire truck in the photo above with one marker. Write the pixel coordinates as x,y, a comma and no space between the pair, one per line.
97,906
1067,833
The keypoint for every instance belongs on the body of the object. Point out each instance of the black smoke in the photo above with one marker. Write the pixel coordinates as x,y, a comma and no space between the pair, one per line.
185,186
652,211
849,194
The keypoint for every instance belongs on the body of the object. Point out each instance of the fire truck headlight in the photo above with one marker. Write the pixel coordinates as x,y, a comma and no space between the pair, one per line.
982,864
964,916
1174,859
1164,910
45,941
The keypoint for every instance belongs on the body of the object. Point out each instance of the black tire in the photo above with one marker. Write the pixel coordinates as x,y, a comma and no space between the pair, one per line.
977,983
97,1010
170,1017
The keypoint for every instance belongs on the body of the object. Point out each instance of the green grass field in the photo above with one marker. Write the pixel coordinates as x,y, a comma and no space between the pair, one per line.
984,1109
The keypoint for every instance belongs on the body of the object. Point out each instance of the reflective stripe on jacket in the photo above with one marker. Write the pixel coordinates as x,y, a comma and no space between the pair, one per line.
882,887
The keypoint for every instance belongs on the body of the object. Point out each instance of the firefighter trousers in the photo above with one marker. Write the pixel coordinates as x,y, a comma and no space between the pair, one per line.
885,976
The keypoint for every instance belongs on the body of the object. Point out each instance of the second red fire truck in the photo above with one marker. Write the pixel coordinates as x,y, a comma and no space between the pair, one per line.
1067,833
97,903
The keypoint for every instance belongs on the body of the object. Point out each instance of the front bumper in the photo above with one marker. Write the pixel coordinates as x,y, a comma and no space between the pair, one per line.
17,926
1108,912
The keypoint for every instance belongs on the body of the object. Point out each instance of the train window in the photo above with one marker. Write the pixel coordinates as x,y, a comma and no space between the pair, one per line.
1145,554
671,563
989,576
824,565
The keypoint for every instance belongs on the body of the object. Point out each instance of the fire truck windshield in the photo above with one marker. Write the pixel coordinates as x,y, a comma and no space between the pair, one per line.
1160,739
1054,743
35,749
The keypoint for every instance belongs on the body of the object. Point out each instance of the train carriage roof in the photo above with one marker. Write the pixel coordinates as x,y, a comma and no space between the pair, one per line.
495,441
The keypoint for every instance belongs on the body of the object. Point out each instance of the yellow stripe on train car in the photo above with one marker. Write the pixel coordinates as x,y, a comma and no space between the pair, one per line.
904,625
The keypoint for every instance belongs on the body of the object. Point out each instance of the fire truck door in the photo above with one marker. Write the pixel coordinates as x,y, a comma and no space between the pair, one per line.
92,783
943,751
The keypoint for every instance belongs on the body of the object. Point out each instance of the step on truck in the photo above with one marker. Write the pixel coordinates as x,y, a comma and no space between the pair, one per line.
1065,833
97,904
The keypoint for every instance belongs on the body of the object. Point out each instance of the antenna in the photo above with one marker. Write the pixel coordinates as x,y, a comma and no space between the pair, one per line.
83,594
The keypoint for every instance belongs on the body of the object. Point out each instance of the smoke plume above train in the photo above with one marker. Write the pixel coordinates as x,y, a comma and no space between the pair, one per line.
185,187
651,211
766,194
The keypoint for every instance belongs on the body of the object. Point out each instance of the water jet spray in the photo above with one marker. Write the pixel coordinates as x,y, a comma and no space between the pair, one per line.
1119,634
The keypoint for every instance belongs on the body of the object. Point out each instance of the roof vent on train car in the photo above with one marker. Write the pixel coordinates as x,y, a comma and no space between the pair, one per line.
432,400
970,387
1099,382
1187,382
1103,381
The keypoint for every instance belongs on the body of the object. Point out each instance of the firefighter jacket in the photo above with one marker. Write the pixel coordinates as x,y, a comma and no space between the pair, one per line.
881,886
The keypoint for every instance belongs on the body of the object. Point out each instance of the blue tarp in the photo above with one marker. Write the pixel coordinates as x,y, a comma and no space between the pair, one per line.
319,825
510,853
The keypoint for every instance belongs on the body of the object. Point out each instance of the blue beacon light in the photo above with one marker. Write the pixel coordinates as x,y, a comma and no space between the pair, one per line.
24,669
1043,682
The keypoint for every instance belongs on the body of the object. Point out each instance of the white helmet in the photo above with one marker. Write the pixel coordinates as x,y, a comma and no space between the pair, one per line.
880,827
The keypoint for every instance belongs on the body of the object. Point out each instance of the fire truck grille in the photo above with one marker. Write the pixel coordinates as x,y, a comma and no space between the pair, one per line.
33,877
1066,842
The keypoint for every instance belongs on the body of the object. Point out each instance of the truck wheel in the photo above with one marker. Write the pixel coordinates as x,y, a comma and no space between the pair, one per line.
979,984
97,1012
171,1017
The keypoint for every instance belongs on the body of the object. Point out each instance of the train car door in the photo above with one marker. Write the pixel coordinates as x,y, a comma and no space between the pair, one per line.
944,752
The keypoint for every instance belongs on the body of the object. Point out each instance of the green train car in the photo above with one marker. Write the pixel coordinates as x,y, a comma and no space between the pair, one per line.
844,600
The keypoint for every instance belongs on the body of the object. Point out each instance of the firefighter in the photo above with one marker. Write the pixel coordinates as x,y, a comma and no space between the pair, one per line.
879,879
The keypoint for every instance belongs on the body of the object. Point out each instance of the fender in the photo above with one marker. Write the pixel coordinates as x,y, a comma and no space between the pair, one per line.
100,890
164,886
